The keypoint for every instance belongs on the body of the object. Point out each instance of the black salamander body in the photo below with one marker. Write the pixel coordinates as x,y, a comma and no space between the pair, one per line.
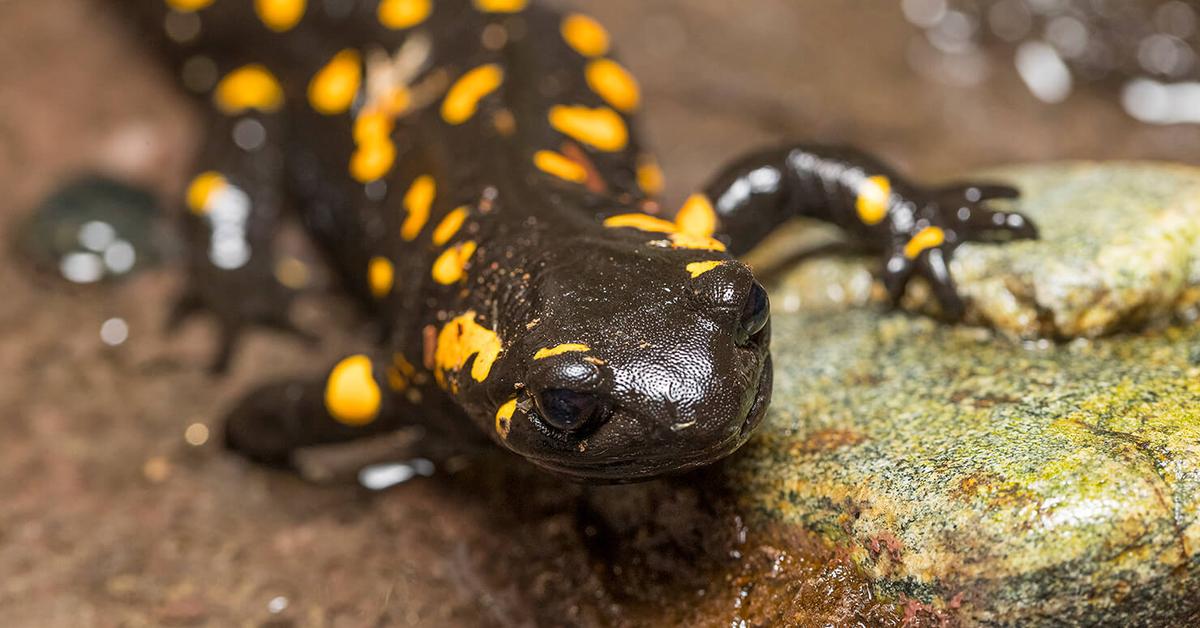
471,170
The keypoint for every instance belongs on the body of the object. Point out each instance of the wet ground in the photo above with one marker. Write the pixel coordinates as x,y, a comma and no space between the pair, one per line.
110,517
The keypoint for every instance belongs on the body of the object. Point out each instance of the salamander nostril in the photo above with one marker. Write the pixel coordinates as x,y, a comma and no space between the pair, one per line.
755,312
570,411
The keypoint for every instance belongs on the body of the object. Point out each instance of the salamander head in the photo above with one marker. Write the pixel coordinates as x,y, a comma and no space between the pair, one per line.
630,362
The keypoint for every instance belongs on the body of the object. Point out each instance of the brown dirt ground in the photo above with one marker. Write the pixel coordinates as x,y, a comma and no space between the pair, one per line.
108,518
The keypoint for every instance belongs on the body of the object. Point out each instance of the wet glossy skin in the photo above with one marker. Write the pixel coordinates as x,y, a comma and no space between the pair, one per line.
473,174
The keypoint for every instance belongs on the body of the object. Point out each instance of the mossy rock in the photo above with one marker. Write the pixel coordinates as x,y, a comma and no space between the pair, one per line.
1013,483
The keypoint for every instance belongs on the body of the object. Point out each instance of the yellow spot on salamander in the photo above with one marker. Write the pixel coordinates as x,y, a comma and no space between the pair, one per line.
332,89
280,15
874,197
398,14
601,128
249,87
570,347
450,225
504,417
372,126
697,216
462,100
585,35
614,84
462,338
650,176
699,268
642,222
372,159
927,238
400,373
692,229
351,395
396,101
380,276
560,166
417,202
501,6
450,266
188,6
201,189
692,241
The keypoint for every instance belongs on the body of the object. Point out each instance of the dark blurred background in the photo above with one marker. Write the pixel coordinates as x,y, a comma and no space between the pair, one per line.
118,508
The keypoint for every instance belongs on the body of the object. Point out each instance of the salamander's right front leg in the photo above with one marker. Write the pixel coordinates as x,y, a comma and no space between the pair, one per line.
915,228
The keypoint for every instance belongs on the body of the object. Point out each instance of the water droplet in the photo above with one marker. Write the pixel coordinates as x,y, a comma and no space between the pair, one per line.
82,267
277,605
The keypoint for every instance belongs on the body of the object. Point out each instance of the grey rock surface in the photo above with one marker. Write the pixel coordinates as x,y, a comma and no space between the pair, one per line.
1012,483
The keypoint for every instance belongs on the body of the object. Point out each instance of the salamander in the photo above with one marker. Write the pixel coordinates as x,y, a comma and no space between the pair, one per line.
472,172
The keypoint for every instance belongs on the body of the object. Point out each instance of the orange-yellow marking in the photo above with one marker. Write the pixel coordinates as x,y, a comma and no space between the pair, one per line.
400,373
570,347
380,276
249,87
187,6
874,197
501,6
372,159
692,229
585,35
372,125
614,84
351,395
332,89
925,239
650,176
450,266
202,188
462,338
504,417
398,14
601,128
643,222
417,202
280,15
450,225
699,268
560,166
697,216
462,100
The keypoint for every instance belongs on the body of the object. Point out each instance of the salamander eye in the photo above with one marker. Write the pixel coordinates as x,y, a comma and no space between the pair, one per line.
570,411
755,312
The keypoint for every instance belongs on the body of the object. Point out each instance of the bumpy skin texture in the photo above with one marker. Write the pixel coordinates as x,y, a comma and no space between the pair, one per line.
472,173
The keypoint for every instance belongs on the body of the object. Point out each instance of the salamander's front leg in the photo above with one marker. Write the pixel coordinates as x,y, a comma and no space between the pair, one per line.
352,401
915,228
234,213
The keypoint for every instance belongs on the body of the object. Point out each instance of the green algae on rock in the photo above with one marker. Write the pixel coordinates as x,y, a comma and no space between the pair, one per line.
1023,484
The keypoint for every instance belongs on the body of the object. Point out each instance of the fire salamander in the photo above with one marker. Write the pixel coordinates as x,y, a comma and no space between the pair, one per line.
471,171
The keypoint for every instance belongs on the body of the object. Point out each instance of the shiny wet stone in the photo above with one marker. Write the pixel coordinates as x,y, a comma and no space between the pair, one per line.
1007,482
93,229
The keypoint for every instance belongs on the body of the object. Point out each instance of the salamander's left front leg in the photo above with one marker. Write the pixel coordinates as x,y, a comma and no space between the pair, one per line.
915,228
351,401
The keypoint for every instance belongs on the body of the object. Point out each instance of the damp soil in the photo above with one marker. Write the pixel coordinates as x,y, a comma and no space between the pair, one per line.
109,517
